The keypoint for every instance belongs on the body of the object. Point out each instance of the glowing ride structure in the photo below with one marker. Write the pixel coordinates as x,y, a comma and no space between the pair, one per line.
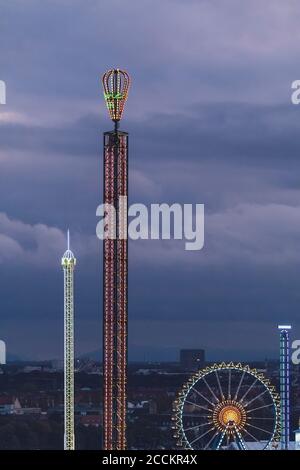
227,406
115,265
284,376
68,263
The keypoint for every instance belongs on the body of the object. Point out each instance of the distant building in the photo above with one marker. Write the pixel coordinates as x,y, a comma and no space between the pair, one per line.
9,405
2,352
29,411
91,420
29,369
192,359
297,438
147,406
57,364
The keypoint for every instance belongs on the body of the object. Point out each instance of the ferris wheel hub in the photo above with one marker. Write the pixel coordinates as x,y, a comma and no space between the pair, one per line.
228,415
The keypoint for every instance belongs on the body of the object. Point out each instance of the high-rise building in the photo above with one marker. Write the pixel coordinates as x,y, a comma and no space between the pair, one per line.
68,263
2,352
115,265
192,359
284,376
297,437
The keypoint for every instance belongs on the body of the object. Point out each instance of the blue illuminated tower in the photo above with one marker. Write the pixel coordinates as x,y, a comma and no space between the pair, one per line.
285,385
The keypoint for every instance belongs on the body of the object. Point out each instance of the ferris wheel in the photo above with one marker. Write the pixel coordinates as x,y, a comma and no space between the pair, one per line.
227,406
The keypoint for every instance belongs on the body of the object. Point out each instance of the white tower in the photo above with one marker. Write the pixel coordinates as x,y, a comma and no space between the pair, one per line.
68,263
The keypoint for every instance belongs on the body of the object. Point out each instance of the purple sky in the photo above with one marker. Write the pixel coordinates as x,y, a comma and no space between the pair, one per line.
210,121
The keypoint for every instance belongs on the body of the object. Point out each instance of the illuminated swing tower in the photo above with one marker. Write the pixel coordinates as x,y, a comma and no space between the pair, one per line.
68,263
284,385
115,265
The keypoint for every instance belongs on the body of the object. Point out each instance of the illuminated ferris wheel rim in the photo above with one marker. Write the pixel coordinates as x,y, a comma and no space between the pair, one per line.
225,405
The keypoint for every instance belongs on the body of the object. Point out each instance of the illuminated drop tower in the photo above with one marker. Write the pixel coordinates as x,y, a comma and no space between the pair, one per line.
115,265
68,263
284,385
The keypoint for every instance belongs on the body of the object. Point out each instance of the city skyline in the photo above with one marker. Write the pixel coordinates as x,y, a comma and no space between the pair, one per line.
228,140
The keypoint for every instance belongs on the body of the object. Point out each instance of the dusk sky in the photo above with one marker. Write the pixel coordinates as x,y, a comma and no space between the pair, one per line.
210,120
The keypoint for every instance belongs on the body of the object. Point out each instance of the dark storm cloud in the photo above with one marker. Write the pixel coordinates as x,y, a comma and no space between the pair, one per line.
79,138
211,122
222,154
178,53
242,133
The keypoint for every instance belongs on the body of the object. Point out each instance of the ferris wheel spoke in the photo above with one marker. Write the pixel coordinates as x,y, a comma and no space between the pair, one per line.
249,434
191,415
239,386
202,435
210,441
259,429
198,406
229,384
259,417
198,426
255,398
260,407
219,385
202,396
210,389
248,390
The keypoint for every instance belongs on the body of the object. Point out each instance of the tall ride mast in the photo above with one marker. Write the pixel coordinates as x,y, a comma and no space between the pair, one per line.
115,265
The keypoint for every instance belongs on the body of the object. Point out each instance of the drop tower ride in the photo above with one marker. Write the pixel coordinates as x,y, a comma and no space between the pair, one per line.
115,265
